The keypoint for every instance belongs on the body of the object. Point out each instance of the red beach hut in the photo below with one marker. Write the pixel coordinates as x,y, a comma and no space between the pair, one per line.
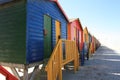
75,32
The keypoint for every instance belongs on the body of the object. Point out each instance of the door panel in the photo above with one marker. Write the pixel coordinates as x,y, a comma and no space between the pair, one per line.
77,36
58,30
75,33
69,32
47,36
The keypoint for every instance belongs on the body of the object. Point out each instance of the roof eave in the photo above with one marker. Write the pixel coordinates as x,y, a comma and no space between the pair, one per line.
80,23
86,29
56,1
77,19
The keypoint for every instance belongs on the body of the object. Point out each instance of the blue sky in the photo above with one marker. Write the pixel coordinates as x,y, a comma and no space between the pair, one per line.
102,17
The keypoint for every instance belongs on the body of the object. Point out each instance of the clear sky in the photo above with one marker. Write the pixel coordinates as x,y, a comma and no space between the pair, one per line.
102,17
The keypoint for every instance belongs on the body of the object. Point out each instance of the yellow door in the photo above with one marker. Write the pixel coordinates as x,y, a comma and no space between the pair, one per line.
58,30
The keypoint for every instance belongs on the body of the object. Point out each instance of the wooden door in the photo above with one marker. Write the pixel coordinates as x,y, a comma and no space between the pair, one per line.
75,33
47,36
58,31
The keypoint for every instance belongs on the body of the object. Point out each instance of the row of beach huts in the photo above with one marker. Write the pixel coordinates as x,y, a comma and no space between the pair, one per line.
30,30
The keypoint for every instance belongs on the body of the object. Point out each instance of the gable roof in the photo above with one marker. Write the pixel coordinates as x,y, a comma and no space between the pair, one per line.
56,1
73,19
86,29
76,19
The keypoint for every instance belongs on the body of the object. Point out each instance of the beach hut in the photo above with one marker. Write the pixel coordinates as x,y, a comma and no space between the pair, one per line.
93,44
96,44
90,44
30,29
86,42
75,32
